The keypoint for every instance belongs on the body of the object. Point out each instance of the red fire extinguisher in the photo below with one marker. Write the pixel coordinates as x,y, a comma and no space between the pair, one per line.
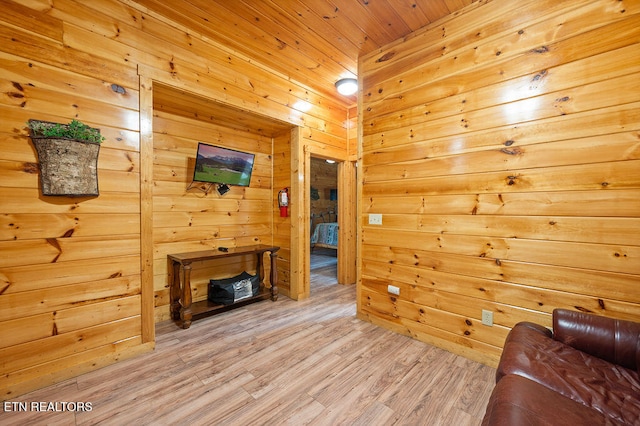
283,202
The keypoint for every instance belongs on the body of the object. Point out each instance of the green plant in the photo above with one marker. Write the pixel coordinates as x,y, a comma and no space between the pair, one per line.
75,130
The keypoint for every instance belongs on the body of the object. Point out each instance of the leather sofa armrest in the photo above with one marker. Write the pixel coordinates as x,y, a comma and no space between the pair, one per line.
610,339
537,328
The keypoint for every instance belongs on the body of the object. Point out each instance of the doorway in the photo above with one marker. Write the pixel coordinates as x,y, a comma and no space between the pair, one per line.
323,182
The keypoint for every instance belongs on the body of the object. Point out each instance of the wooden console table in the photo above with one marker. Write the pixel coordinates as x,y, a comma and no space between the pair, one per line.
182,307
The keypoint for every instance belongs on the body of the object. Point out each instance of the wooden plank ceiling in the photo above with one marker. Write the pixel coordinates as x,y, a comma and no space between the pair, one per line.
313,42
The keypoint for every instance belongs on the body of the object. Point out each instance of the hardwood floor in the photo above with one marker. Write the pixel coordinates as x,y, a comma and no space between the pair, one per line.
270,363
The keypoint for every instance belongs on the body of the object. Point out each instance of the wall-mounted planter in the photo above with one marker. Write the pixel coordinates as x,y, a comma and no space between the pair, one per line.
68,157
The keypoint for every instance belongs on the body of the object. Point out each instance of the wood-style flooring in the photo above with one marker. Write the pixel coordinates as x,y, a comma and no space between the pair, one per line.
277,363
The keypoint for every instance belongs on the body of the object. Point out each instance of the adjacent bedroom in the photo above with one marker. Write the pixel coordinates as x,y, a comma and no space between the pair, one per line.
324,221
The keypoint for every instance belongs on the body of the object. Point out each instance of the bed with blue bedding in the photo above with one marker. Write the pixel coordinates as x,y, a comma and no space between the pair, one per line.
325,235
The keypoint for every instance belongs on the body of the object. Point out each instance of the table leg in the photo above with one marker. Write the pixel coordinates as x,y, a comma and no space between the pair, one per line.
274,276
185,300
260,268
174,290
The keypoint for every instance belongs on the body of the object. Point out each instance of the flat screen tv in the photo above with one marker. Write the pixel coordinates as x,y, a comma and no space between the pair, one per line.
215,164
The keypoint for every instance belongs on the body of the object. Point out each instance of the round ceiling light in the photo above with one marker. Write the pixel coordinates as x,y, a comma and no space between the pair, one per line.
347,86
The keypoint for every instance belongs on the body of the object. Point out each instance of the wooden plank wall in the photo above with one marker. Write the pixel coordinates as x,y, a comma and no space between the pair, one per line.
70,271
502,148
70,292
352,126
282,163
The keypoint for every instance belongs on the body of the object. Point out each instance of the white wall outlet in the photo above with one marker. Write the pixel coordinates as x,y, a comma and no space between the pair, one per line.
375,219
393,289
487,317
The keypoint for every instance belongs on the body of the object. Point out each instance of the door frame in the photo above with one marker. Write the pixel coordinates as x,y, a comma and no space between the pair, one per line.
301,231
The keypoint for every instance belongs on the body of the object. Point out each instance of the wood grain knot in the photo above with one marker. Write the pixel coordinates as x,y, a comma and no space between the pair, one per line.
31,168
541,49
386,57
118,89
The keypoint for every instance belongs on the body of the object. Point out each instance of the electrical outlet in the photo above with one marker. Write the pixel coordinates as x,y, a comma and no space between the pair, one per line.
375,219
487,317
393,289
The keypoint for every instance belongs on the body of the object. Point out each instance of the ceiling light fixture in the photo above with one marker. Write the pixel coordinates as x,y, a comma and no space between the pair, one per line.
347,86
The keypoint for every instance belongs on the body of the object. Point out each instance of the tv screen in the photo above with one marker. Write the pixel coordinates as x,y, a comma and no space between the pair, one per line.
215,164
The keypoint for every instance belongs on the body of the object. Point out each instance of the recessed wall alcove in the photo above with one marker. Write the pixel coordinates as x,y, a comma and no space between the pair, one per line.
185,216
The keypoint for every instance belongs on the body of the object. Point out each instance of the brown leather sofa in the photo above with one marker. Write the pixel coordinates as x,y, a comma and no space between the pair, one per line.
584,372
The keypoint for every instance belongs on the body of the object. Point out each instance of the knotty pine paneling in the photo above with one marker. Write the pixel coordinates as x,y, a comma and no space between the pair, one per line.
502,149
74,267
70,269
282,225
352,143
